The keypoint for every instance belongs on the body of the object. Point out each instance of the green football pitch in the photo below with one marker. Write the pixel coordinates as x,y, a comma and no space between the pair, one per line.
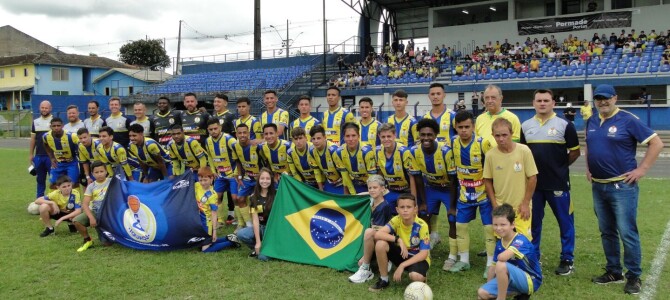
50,268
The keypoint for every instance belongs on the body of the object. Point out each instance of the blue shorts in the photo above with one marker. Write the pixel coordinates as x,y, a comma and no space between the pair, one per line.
467,211
155,174
518,282
435,196
71,169
392,199
247,188
225,184
331,188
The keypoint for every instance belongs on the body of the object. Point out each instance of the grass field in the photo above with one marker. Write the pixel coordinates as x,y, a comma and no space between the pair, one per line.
35,267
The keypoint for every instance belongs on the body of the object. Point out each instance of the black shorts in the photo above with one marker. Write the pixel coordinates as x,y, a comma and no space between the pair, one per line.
395,257
59,215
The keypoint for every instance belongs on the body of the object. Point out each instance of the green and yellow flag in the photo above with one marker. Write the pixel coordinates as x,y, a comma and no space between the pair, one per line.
313,227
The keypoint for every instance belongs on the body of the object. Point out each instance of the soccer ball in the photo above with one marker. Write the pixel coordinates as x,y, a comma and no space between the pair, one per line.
418,291
33,208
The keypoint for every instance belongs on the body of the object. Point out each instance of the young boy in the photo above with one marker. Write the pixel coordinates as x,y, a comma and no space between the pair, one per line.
299,161
61,205
93,197
517,267
404,241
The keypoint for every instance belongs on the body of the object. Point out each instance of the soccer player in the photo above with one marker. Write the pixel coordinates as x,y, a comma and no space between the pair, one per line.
275,150
111,153
61,146
335,116
222,160
154,161
254,126
193,120
324,157
140,111
356,162
516,269
381,215
118,122
467,155
163,119
434,181
94,121
369,125
510,175
223,114
405,242
260,208
274,114
249,163
393,161
493,101
185,152
87,153
441,113
206,198
38,154
305,120
405,125
74,123
299,161
555,146
93,198
61,205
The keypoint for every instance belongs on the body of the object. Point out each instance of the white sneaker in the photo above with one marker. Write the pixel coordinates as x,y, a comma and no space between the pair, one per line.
361,276
434,240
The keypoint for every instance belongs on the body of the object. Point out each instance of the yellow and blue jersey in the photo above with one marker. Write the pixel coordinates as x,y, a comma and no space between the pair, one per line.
446,122
255,128
65,203
148,151
395,168
405,129
307,123
369,134
325,164
249,157
415,236
525,258
221,155
469,163
189,154
300,164
358,164
113,156
434,167
276,157
279,117
88,154
333,121
207,203
64,148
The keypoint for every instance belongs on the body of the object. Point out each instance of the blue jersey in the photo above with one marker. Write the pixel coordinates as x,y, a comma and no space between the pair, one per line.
525,258
381,215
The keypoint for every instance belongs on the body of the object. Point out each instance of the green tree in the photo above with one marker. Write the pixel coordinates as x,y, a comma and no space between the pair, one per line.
145,53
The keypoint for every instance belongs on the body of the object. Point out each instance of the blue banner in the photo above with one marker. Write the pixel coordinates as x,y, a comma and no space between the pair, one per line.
162,215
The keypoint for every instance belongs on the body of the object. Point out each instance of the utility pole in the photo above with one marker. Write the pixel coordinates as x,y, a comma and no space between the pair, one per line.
287,39
257,30
178,71
325,41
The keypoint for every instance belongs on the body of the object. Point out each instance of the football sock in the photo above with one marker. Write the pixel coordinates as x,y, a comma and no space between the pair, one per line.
384,278
246,216
490,240
489,260
365,266
463,241
238,216
453,248
433,224
50,228
231,213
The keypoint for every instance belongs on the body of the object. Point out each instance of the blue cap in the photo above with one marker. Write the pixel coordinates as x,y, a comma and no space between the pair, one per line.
604,90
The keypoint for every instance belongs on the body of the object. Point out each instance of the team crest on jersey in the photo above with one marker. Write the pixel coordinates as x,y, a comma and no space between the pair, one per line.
611,131
281,157
397,167
337,122
197,119
517,167
253,156
558,193
361,165
445,127
171,120
439,166
475,159
552,132
221,121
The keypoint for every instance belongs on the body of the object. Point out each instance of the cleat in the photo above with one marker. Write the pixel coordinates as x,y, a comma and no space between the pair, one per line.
85,246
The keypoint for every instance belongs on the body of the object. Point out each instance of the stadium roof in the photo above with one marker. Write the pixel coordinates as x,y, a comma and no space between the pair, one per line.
144,75
62,59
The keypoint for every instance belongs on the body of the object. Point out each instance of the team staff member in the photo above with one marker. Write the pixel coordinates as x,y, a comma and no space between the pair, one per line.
324,157
185,152
223,114
369,125
441,113
335,116
118,122
393,161
154,161
61,146
299,161
74,123
222,157
162,120
405,125
305,120
274,114
194,121
493,98
555,146
94,121
356,161
611,139
249,163
275,150
112,154
255,130
38,154
140,112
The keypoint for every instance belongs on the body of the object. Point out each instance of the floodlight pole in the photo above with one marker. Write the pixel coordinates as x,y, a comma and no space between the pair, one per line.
177,70
287,39
325,41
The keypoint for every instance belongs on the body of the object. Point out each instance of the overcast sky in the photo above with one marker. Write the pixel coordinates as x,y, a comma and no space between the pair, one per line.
102,27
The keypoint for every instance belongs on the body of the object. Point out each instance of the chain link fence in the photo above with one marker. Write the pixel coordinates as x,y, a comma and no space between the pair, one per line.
15,124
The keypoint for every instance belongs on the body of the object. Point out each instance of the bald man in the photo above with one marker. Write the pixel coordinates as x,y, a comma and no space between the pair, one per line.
39,157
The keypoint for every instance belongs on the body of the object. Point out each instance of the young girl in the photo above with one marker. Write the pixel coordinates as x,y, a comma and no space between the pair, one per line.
61,205
261,205
207,200
93,197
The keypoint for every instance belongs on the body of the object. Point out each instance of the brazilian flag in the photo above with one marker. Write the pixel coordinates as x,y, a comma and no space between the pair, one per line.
313,227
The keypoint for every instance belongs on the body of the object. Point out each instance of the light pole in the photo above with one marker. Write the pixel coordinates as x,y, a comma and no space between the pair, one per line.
285,42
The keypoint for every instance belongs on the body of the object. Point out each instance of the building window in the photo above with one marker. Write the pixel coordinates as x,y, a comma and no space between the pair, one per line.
130,90
60,74
2,73
60,93
12,73
106,91
25,72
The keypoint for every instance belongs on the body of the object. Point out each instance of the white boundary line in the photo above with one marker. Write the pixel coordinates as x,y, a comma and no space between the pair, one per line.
649,290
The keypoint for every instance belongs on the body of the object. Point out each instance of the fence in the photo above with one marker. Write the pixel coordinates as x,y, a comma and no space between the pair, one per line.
16,123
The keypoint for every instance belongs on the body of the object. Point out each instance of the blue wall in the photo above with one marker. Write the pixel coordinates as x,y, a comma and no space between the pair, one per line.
60,103
45,85
120,81
253,64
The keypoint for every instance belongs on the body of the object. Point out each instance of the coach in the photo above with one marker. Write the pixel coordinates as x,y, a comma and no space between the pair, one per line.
611,140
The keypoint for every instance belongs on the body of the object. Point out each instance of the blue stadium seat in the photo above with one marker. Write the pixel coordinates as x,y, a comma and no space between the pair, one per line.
654,69
495,76
599,71
609,71
523,75
642,69
569,73
532,74
665,68
621,70
590,71
560,73
513,75
579,72
504,76
550,73
635,59
631,70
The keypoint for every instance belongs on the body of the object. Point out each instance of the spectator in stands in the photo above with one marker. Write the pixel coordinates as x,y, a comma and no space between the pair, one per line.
340,62
644,98
613,39
534,65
